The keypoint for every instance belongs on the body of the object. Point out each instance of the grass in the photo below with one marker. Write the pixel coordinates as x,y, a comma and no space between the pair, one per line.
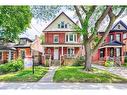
76,74
25,75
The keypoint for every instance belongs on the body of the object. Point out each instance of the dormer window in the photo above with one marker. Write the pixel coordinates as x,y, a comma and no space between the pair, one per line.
23,41
62,25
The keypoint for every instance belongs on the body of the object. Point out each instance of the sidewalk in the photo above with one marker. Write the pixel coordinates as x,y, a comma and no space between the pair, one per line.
48,78
120,71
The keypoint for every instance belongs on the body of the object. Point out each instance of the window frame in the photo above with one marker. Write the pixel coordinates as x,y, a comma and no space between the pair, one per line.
111,35
71,48
119,37
68,40
54,38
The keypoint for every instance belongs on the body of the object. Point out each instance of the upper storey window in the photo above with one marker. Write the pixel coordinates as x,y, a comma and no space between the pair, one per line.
62,24
71,37
118,37
111,37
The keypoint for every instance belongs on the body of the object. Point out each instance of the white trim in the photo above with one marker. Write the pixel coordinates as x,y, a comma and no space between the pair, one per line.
69,37
70,49
109,46
62,45
54,38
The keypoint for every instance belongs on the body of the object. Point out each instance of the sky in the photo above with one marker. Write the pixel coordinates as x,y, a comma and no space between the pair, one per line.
36,27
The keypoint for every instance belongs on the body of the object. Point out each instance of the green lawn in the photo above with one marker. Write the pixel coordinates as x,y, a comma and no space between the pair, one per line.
25,75
76,74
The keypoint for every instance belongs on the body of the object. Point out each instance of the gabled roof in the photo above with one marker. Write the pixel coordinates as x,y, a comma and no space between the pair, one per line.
58,17
114,43
120,22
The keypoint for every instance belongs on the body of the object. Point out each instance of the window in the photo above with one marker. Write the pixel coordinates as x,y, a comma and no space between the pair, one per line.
118,37
0,55
70,51
101,53
62,25
71,37
111,37
22,54
56,38
118,26
118,52
49,51
23,41
111,52
12,55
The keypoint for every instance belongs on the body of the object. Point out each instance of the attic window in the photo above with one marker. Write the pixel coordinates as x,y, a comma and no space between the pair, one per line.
118,26
62,25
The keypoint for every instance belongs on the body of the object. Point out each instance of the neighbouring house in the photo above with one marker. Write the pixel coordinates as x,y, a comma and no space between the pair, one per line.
7,51
25,48
113,47
61,39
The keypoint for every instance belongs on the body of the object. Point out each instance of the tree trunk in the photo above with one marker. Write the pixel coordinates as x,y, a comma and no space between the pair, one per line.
88,57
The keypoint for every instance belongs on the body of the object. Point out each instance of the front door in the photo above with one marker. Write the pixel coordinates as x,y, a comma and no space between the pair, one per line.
56,54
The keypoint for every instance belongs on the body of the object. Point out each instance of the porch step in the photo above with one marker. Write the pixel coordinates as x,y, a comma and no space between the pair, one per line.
55,62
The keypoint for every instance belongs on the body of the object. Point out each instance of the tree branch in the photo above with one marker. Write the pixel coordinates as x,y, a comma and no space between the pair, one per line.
121,11
97,24
84,10
79,15
112,19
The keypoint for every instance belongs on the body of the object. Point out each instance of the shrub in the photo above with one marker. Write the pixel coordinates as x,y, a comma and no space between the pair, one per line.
109,63
79,61
125,59
12,66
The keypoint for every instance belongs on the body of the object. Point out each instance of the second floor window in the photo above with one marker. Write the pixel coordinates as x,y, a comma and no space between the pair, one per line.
111,37
56,38
118,37
71,37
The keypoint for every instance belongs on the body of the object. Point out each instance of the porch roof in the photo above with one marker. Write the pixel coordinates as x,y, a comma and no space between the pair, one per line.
113,44
6,48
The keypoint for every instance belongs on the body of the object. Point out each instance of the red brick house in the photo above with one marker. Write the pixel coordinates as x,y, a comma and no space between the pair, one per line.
61,39
113,46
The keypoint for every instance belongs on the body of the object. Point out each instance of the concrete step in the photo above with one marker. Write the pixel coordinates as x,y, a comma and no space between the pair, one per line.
55,63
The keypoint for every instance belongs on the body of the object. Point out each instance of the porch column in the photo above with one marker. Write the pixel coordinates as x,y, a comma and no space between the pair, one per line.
62,50
9,55
115,54
106,53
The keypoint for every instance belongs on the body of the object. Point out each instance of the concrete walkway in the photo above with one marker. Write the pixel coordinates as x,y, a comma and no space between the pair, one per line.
120,71
48,78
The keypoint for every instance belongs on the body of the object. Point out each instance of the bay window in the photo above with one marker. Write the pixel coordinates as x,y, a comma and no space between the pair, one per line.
118,37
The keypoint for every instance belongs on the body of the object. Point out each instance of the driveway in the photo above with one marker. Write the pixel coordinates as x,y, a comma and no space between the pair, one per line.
120,71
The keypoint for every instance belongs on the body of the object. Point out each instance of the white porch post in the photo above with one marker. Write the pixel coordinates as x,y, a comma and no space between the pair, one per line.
9,55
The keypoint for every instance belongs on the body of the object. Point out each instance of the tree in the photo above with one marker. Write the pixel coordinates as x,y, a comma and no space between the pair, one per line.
91,18
13,21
